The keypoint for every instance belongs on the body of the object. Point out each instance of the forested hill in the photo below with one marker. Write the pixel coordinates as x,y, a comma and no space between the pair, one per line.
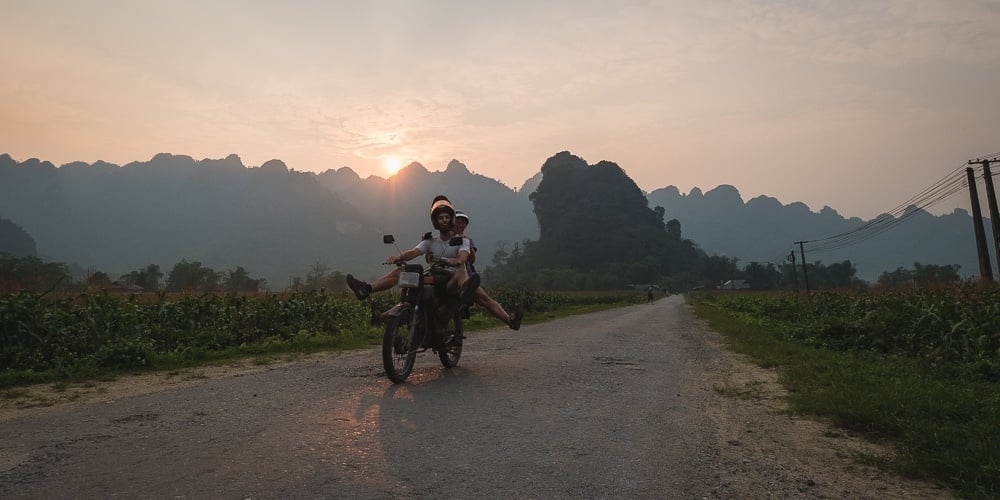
278,223
597,231
15,241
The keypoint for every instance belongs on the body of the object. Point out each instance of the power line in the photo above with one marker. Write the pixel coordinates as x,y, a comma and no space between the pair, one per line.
946,187
885,222
990,157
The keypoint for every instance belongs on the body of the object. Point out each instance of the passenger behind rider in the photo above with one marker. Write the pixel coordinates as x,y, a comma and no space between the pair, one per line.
482,298
461,283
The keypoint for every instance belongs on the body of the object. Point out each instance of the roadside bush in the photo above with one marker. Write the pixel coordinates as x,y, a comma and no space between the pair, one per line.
959,325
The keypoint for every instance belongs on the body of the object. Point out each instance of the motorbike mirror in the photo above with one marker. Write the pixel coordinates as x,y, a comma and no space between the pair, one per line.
455,241
388,239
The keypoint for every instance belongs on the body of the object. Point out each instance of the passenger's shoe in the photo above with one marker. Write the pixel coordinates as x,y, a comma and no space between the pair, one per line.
361,289
515,320
469,289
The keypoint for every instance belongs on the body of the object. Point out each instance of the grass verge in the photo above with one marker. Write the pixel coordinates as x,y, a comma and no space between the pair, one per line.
944,421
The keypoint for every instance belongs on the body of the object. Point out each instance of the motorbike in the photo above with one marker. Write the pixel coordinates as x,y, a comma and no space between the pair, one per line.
426,317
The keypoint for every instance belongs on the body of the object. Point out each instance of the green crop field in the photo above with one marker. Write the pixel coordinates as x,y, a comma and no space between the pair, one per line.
49,339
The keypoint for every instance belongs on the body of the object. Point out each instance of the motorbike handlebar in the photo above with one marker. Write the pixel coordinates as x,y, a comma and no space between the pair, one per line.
436,262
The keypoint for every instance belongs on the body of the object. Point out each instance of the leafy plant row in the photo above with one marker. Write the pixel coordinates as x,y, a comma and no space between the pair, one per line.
37,333
959,325
95,331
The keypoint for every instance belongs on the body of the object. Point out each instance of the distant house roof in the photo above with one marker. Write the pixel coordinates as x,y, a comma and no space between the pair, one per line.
126,287
735,285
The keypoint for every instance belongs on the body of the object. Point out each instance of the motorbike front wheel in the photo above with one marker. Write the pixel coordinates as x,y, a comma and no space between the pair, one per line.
452,349
398,348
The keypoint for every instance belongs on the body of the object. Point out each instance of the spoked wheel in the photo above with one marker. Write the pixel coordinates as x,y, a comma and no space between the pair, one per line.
452,349
398,349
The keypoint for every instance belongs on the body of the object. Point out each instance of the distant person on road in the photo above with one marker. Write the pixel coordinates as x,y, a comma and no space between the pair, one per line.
649,294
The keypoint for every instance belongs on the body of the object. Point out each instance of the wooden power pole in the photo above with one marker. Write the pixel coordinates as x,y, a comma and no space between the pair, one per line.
985,270
795,272
805,273
991,201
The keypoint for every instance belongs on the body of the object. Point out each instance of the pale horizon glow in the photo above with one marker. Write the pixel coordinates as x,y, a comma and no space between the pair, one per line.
392,164
854,105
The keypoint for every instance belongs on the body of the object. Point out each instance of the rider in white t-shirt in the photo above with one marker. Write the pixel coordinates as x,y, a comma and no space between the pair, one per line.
461,283
441,248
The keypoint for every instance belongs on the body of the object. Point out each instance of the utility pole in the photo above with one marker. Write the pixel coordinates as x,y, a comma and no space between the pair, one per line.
795,272
985,271
991,201
805,272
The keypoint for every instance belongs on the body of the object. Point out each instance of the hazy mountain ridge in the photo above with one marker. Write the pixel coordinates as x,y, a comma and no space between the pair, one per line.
400,204
273,221
764,230
217,211
278,222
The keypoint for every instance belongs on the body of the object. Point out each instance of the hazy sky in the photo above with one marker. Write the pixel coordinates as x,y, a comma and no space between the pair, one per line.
858,105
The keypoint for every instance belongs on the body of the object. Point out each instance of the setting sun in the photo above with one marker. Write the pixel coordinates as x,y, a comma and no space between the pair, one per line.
392,164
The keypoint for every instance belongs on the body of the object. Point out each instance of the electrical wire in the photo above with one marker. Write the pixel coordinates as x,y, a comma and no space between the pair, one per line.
991,157
885,223
827,246
945,188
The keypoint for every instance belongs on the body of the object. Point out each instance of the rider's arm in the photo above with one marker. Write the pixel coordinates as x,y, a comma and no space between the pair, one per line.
464,254
460,260
405,256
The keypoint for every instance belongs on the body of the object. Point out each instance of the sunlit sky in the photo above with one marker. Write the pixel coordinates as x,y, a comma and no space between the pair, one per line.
858,105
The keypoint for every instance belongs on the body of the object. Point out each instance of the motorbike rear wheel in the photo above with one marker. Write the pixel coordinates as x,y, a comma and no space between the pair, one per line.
452,350
398,348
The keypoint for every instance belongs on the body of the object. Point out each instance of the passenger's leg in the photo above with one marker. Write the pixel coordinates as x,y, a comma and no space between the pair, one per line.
494,307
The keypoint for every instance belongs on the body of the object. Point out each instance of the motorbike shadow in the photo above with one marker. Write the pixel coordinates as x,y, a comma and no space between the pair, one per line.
426,428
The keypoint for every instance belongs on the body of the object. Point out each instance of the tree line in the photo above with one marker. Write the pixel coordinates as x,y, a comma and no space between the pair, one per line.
32,273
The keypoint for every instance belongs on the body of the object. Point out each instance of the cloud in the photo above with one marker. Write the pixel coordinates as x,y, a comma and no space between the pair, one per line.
876,33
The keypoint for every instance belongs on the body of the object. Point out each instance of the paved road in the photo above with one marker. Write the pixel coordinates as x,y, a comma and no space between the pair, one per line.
591,406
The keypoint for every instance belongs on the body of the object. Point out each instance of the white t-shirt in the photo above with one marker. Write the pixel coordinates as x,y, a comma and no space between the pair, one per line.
442,249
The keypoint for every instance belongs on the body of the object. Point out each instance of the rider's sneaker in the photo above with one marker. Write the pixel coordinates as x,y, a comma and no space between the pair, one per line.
469,289
515,320
361,289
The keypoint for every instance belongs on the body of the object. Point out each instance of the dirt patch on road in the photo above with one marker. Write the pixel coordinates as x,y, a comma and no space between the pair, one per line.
42,398
767,453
